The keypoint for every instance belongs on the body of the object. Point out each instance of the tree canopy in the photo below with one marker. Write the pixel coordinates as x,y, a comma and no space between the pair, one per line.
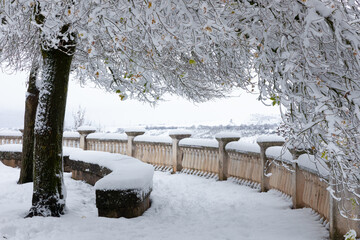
136,48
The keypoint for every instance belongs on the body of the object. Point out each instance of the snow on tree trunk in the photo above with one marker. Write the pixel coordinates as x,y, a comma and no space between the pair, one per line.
32,97
48,195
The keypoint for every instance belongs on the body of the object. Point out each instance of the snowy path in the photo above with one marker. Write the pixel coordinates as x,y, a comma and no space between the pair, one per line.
183,207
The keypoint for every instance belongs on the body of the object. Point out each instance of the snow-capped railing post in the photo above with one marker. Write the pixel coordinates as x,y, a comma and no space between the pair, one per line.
176,154
84,131
264,143
223,139
130,151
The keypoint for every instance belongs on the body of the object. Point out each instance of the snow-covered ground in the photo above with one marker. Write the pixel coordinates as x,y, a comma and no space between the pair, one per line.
183,207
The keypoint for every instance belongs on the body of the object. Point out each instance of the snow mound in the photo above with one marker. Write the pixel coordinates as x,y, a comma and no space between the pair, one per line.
86,128
227,135
180,132
153,139
135,129
305,161
69,150
11,148
243,147
308,162
107,136
279,153
12,133
127,172
204,208
68,134
197,142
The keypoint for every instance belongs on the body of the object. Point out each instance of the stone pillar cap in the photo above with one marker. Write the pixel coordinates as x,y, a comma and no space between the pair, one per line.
133,132
270,141
227,136
180,134
86,129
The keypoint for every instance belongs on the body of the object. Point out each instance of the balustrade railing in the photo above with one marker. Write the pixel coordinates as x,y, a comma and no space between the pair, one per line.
245,166
157,154
245,162
71,142
10,140
112,146
200,160
107,142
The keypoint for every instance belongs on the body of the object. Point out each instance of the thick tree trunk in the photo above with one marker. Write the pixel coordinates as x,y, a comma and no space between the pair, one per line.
32,96
48,195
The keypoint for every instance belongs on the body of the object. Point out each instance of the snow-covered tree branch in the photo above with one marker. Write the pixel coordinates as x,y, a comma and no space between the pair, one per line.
306,58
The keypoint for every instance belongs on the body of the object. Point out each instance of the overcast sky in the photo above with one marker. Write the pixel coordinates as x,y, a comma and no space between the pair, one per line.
107,111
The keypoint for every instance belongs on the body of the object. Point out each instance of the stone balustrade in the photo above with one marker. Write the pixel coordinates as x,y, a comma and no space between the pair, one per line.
200,160
113,143
10,137
261,164
155,153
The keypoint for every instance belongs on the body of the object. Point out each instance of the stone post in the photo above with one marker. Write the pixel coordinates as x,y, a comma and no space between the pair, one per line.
333,205
223,139
294,183
84,132
176,154
22,136
264,144
130,151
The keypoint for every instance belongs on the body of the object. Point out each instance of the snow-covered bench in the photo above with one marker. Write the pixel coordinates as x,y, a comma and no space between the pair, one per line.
123,184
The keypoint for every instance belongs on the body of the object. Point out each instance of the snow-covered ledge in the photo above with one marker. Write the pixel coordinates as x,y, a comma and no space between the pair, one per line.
123,184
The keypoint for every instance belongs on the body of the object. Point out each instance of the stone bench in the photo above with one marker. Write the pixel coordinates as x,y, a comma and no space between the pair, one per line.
11,154
123,184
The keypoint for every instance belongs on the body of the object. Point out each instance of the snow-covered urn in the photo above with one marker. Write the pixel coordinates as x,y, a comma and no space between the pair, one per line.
223,139
84,131
265,142
176,136
132,133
